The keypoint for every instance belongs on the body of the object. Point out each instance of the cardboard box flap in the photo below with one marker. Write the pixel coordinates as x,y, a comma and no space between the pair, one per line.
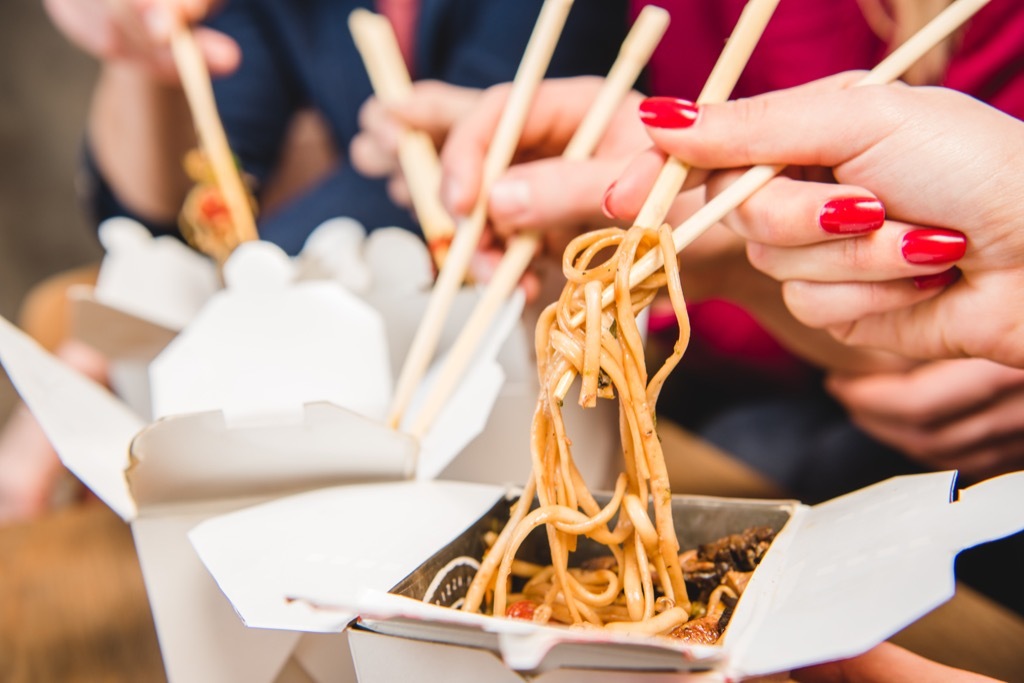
855,570
89,427
266,345
200,456
334,251
201,638
399,260
114,332
465,414
323,545
157,279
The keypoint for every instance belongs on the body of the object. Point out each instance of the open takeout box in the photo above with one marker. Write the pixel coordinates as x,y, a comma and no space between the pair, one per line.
151,289
274,386
840,577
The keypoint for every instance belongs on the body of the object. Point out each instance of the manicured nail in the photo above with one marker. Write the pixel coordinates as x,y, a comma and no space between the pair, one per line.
946,277
509,197
605,203
930,246
851,215
668,112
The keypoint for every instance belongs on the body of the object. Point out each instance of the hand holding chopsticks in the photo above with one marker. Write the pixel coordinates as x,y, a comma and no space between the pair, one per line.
531,71
375,39
887,71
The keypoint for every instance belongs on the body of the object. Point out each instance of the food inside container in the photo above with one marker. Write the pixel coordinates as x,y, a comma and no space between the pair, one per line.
445,577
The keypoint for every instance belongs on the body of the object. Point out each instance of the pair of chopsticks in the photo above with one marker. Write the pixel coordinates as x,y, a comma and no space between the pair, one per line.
378,46
195,80
634,54
531,71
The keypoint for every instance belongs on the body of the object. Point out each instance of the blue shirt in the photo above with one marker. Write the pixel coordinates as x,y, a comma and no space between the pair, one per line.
299,53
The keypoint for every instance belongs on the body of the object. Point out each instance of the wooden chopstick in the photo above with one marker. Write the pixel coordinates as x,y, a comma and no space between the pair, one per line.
717,88
375,39
531,71
634,54
195,80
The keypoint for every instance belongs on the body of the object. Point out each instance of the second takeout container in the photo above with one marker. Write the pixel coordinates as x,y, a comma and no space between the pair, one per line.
270,389
839,578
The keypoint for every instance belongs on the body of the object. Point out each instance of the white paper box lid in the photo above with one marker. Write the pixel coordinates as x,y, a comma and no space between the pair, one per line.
157,279
855,570
328,543
89,428
266,345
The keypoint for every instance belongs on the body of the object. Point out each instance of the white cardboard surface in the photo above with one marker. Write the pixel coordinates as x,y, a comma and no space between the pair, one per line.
326,544
266,345
88,427
841,577
157,279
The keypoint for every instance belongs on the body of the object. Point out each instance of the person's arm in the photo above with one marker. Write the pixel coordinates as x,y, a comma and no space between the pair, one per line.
139,125
139,130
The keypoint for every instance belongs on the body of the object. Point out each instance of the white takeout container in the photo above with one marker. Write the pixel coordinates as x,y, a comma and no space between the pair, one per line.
150,289
841,577
273,387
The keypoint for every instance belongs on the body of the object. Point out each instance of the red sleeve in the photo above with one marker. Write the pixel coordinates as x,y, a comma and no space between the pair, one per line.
989,62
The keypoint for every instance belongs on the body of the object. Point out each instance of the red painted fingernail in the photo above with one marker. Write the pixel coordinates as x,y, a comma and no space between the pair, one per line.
851,215
946,277
605,206
668,112
930,246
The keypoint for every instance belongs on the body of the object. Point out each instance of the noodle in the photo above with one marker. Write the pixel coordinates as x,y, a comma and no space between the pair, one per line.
644,591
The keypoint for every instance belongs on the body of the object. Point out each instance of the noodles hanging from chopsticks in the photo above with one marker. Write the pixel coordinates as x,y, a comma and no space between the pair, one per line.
644,589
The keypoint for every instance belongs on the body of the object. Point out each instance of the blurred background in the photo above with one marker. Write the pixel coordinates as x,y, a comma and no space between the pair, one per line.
44,95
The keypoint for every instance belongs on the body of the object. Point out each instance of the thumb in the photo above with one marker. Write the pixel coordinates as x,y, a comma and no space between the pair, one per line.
550,194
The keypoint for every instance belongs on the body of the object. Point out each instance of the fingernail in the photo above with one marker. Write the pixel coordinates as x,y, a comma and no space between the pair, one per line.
930,246
946,277
509,197
668,112
605,203
451,193
851,215
158,22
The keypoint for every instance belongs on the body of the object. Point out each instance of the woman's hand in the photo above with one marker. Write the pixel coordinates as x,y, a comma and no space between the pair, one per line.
938,162
138,32
541,191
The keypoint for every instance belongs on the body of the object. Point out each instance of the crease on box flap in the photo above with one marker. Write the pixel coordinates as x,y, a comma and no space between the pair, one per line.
201,638
200,456
159,279
113,332
889,546
89,428
267,344
323,545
